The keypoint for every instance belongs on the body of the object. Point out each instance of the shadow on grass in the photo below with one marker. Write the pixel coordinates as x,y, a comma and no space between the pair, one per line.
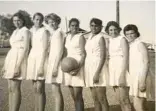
112,108
150,107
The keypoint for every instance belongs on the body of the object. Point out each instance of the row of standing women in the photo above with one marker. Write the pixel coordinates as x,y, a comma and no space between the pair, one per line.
104,60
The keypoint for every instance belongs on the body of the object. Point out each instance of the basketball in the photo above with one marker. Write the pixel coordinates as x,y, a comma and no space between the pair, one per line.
68,64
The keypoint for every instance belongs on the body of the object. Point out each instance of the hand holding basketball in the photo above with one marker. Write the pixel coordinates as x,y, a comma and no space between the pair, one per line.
69,64
74,72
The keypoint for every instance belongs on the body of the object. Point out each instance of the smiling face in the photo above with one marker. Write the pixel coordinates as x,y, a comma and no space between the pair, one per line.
131,35
113,31
37,21
18,23
53,24
95,29
74,27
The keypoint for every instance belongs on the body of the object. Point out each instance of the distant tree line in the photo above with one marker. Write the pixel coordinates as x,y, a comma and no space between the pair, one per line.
6,24
7,27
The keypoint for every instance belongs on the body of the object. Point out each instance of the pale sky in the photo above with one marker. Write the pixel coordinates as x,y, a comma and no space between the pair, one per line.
141,13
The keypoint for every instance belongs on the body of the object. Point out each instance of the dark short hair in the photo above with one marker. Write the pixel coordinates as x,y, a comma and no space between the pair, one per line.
54,17
112,23
131,27
20,16
96,21
38,14
74,20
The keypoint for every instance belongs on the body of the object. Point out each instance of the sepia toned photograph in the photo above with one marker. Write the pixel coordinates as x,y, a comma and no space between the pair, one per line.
77,55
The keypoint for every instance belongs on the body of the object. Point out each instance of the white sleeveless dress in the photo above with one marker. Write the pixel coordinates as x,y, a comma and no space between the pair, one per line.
135,68
35,55
73,50
115,61
53,55
92,61
17,46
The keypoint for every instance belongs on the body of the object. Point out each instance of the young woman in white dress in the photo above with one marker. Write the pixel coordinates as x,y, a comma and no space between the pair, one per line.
75,47
36,60
118,64
138,67
15,64
95,75
54,74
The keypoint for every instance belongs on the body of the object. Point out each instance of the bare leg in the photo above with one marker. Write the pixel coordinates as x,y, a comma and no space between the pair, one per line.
117,92
139,104
10,95
124,99
59,104
16,94
35,96
97,106
72,93
79,103
41,95
101,93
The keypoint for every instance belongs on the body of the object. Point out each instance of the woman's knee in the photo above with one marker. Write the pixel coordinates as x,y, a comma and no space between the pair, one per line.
94,96
56,89
101,94
124,99
139,103
124,96
15,86
78,95
40,88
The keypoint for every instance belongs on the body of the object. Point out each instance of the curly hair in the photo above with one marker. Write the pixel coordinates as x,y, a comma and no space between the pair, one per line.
20,16
54,17
112,23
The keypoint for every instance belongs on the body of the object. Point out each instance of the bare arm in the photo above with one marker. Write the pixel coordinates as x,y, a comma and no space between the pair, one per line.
102,55
26,37
125,61
65,49
45,37
82,42
145,56
60,48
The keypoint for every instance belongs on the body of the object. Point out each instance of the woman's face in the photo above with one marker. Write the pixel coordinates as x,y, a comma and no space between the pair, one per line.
18,23
130,35
53,24
38,21
74,27
95,29
113,31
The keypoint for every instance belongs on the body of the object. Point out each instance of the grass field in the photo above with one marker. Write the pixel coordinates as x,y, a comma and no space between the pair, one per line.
27,93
